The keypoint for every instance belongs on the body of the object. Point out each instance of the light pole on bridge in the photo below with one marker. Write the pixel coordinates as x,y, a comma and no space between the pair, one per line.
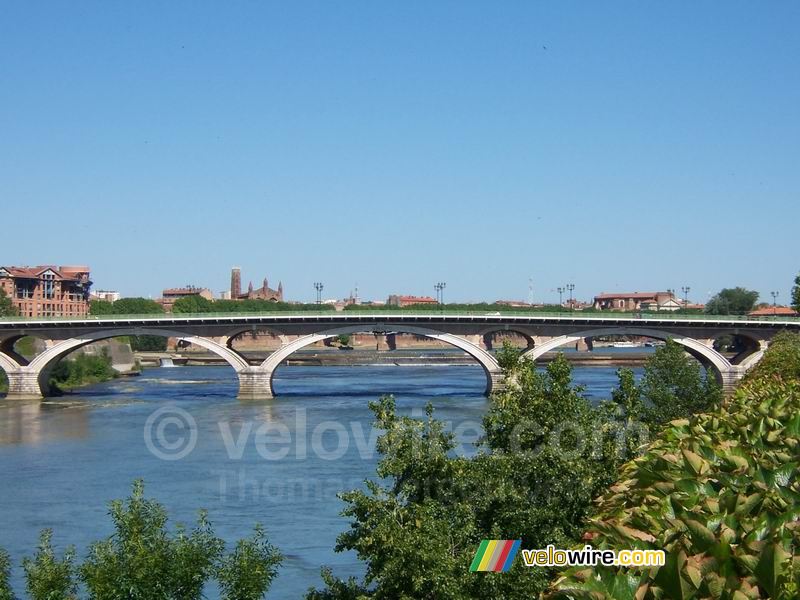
318,286
685,289
439,287
570,287
774,302
560,300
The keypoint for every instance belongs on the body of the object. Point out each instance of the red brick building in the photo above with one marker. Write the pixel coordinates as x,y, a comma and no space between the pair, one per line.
397,300
47,290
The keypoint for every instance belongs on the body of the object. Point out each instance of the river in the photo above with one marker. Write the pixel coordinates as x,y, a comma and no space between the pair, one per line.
62,460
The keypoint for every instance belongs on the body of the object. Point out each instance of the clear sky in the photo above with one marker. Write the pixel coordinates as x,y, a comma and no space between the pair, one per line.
619,146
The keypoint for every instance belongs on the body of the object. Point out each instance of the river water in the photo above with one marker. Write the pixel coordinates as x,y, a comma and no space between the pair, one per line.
62,460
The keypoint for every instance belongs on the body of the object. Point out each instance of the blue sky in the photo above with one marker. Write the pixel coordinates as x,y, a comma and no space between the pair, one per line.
616,146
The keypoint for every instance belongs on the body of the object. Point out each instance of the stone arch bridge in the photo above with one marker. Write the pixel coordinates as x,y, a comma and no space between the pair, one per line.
28,379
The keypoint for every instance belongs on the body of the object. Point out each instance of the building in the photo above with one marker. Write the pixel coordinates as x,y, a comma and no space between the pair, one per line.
105,295
47,290
634,301
668,304
169,296
773,311
398,300
262,293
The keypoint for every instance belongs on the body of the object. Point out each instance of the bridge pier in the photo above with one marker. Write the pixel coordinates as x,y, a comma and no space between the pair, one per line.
496,382
23,384
255,384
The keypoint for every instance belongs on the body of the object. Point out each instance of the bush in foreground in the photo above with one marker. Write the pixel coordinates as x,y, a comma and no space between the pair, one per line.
718,492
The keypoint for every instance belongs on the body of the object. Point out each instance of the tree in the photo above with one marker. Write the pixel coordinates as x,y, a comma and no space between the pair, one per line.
673,387
193,304
420,523
5,573
7,308
143,560
732,301
48,577
796,294
247,573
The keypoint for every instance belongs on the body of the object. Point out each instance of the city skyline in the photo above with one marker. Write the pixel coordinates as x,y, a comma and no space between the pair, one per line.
618,147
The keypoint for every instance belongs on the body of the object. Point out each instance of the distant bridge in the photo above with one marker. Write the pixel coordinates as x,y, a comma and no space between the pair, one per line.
544,332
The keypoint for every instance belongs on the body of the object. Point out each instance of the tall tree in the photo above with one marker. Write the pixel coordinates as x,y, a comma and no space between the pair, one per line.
732,301
796,294
419,524
6,306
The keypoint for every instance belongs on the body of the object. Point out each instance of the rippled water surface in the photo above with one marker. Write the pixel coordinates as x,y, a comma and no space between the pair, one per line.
62,460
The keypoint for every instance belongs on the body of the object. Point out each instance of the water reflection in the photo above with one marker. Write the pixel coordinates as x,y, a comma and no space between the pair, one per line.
36,422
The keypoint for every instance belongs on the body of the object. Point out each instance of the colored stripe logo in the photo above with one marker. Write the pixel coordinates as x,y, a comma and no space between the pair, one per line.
495,555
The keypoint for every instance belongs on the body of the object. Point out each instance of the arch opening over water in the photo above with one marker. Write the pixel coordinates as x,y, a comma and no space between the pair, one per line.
483,357
706,355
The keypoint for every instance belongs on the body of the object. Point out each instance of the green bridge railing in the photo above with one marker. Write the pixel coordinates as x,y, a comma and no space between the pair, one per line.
566,314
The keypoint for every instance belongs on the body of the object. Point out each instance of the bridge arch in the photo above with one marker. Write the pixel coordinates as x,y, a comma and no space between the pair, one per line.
44,362
697,349
485,359
8,364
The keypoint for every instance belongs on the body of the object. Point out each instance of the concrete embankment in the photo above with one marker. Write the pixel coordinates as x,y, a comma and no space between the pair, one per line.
335,357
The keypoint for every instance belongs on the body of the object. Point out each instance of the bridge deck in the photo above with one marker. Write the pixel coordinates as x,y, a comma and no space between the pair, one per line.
377,317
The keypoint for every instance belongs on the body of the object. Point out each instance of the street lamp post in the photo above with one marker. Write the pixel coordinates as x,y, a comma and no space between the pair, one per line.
570,287
318,286
685,289
774,302
560,301
439,287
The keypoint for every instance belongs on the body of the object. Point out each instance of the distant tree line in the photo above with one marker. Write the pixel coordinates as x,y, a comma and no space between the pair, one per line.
198,304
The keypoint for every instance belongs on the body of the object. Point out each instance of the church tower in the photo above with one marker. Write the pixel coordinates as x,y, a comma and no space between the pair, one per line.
236,283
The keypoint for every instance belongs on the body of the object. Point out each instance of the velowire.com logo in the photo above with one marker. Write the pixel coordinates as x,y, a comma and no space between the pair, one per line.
495,555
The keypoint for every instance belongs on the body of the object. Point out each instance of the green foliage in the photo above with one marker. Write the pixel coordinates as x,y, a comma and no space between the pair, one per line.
419,525
143,560
83,369
337,589
147,343
343,339
718,492
188,305
5,573
192,304
781,360
484,307
126,306
508,356
674,386
796,294
732,301
48,577
247,573
7,308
